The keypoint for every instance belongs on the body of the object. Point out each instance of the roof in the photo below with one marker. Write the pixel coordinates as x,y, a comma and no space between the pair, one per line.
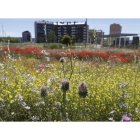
120,35
60,23
69,23
25,32
43,21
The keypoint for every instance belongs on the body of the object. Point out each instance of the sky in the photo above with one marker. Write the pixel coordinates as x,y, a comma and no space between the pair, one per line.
14,27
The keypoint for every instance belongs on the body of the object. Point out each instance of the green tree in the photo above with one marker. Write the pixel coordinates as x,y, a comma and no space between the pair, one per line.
73,40
66,39
92,36
11,39
41,39
51,38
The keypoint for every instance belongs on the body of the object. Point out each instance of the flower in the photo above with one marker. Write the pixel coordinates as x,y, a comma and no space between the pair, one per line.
24,105
52,79
82,90
34,118
111,119
43,92
47,59
20,98
1,66
12,113
122,85
125,105
126,118
27,107
47,65
62,60
112,112
57,105
40,103
2,105
65,85
44,52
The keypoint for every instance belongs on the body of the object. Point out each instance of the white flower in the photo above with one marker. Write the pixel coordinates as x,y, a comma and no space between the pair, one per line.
24,105
2,105
48,65
122,85
47,59
20,98
125,105
57,105
111,119
4,78
137,110
44,52
34,118
1,66
40,103
112,112
27,107
12,113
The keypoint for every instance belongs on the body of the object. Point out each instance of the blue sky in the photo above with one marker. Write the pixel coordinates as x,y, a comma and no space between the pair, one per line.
15,27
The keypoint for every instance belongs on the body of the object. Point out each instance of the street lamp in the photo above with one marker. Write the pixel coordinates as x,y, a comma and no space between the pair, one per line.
45,32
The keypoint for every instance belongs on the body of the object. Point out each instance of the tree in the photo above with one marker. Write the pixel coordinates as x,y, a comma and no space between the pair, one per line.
135,41
66,39
11,39
73,40
92,36
41,39
51,38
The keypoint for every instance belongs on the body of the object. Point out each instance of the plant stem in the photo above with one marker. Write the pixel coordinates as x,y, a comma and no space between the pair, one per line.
64,107
63,68
72,68
84,103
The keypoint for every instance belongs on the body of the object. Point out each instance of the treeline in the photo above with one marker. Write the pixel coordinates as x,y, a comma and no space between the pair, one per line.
11,39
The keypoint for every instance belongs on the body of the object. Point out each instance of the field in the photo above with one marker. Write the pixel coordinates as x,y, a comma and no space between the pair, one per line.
39,84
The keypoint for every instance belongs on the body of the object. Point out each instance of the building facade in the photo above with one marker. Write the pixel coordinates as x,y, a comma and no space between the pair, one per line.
44,30
26,36
115,29
99,37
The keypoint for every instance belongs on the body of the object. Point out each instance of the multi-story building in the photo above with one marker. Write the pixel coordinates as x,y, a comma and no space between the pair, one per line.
26,36
115,29
77,30
99,36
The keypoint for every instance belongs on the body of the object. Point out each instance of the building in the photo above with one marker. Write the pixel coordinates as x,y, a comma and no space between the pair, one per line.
26,36
136,41
115,29
45,29
99,37
118,39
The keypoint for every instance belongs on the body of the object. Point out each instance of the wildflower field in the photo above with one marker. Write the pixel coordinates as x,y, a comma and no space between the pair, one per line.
69,85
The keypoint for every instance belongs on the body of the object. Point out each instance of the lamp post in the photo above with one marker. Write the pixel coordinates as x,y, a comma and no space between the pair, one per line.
45,32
